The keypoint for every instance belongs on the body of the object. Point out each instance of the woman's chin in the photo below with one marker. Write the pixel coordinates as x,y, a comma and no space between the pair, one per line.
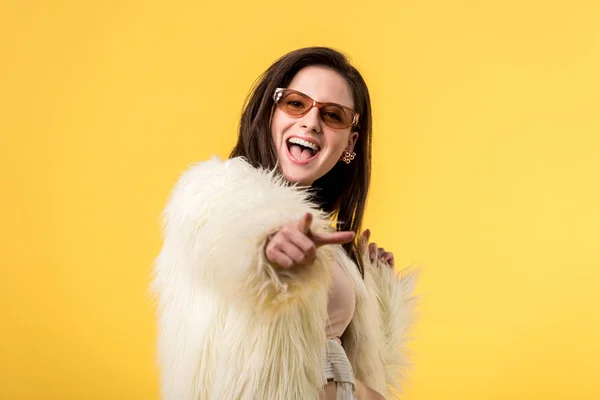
301,178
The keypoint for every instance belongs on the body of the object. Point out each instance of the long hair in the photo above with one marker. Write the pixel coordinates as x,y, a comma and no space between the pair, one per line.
343,190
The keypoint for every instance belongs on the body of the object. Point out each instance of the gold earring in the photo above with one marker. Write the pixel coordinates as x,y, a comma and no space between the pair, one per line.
348,157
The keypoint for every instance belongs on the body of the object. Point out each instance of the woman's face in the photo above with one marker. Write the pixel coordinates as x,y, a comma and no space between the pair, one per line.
298,163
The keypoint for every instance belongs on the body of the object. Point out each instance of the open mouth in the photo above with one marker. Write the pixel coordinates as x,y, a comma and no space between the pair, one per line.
302,150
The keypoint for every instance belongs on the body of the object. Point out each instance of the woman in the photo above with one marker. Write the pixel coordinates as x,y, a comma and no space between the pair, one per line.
259,298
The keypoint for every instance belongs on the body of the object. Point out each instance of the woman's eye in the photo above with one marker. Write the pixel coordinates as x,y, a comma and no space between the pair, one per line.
296,104
333,116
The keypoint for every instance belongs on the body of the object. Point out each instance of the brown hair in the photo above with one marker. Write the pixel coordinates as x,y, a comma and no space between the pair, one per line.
343,190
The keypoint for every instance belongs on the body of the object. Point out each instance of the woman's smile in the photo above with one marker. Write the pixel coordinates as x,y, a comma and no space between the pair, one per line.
302,150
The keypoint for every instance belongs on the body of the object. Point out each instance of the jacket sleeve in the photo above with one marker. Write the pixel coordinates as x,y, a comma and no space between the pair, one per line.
215,227
393,293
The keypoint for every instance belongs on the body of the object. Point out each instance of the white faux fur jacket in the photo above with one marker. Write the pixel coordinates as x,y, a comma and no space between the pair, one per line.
233,326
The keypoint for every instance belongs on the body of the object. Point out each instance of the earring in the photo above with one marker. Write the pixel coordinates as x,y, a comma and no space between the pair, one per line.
348,157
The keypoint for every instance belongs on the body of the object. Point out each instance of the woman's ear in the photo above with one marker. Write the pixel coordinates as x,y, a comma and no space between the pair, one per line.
351,142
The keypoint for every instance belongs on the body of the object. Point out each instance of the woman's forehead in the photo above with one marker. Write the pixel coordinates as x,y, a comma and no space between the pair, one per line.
324,85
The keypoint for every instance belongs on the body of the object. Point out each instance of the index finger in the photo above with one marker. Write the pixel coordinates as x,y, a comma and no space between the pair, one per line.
333,238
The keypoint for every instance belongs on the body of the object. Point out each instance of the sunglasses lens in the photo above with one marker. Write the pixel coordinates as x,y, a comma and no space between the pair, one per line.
294,103
336,117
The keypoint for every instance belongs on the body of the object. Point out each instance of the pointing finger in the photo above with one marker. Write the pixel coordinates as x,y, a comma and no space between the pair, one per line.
333,238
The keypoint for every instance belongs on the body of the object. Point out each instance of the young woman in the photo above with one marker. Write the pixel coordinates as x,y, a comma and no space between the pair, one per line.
259,296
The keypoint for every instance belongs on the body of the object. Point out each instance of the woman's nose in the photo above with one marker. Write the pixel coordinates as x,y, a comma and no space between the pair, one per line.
312,120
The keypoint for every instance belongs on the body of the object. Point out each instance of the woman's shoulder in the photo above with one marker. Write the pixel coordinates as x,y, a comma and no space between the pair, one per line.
233,176
219,171
229,187
218,166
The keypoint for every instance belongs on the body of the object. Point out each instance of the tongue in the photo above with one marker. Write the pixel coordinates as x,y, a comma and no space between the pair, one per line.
300,153
306,154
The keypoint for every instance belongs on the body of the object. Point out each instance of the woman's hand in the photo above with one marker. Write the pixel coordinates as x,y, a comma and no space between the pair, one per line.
379,253
294,244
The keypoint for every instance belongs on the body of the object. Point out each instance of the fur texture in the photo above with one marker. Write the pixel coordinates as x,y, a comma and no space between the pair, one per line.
233,326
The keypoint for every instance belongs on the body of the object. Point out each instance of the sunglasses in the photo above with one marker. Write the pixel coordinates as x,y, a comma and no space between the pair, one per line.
297,104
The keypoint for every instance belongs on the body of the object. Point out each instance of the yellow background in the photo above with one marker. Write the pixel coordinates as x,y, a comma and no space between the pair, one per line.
486,174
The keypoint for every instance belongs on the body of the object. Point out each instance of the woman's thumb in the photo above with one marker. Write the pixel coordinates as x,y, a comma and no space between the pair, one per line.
305,223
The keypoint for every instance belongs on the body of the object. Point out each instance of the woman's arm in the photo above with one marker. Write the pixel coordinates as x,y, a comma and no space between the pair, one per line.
394,293
215,227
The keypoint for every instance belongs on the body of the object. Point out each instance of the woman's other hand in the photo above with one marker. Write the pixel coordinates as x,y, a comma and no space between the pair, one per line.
294,244
378,253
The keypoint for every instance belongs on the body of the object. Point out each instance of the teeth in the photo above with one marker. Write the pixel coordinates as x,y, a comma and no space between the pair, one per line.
304,143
